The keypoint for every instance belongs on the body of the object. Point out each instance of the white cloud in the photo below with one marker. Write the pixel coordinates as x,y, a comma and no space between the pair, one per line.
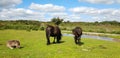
103,14
20,13
101,1
47,11
86,14
41,12
84,10
59,14
9,3
95,11
118,1
47,7
74,18
50,10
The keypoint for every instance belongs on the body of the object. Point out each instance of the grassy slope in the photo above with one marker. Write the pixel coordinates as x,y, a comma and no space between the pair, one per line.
34,46
92,27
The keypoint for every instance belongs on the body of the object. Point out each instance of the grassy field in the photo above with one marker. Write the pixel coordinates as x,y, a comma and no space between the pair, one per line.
34,46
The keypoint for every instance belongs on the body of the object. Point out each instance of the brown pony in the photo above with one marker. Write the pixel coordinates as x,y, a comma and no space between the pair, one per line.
53,31
77,32
13,44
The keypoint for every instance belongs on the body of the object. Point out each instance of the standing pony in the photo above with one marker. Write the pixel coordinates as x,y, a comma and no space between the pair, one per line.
77,32
53,31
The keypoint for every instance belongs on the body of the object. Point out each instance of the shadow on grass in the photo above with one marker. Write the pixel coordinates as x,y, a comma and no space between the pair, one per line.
61,41
21,47
57,42
1,44
81,43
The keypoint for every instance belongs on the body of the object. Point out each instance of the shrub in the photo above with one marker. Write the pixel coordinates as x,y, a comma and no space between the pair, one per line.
42,28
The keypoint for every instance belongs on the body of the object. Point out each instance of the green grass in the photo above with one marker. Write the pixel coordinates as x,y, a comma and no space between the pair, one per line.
34,46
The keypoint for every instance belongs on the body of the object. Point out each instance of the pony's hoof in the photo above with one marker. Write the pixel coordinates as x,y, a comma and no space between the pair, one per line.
53,42
48,43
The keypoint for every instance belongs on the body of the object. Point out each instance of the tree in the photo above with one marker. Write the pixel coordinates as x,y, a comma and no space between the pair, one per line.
57,20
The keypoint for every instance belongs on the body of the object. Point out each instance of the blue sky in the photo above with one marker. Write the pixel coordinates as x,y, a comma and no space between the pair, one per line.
67,3
72,10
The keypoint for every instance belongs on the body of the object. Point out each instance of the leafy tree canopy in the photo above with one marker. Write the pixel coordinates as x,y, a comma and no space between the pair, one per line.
57,20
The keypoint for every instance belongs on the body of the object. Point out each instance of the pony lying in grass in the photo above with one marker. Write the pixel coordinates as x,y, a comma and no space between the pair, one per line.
13,44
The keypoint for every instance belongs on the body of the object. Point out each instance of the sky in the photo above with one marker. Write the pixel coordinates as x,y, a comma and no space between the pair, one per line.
69,10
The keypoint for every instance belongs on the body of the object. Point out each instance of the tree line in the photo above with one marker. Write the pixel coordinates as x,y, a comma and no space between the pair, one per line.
64,25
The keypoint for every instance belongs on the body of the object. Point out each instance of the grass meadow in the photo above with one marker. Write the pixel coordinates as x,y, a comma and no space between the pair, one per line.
34,46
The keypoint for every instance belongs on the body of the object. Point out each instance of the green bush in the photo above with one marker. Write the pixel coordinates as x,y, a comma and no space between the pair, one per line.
64,28
101,31
42,28
115,32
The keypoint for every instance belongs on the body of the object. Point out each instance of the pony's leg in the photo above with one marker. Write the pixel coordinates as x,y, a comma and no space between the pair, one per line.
79,40
54,40
48,39
75,39
10,47
58,39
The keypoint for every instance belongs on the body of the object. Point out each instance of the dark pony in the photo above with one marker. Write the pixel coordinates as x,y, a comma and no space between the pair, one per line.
77,32
53,31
